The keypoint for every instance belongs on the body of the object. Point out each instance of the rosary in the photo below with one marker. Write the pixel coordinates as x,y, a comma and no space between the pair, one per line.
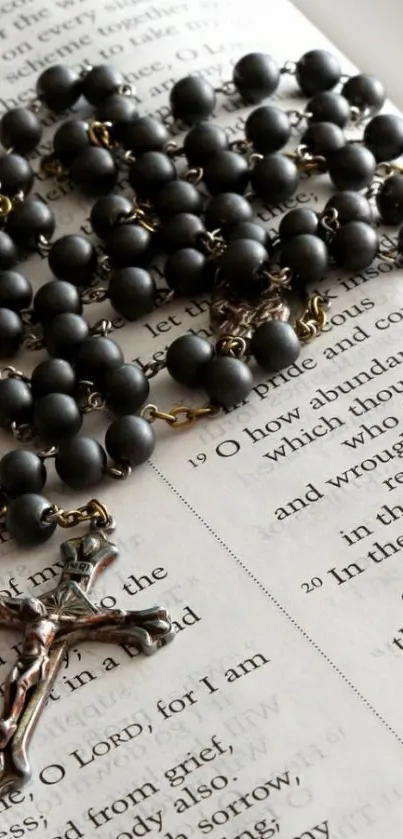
193,205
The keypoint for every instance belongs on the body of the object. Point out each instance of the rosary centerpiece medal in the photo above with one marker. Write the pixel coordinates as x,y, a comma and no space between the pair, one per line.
58,619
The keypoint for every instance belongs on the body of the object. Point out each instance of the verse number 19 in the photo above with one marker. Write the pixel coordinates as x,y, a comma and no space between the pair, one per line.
199,459
308,588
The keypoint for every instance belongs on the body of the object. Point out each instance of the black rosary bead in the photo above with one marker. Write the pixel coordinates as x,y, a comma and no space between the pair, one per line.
354,246
126,388
145,134
323,138
100,82
227,381
317,70
268,129
21,471
182,231
365,93
188,272
94,171
250,230
56,298
16,175
57,417
241,267
129,245
186,358
132,292
11,332
30,220
16,403
203,141
108,212
8,252
26,519
275,345
274,178
59,87
383,135
298,221
69,139
73,258
192,99
226,171
80,462
225,210
97,356
21,130
178,197
307,256
256,76
327,106
64,335
121,111
389,200
351,167
55,375
350,206
130,439
15,291
150,173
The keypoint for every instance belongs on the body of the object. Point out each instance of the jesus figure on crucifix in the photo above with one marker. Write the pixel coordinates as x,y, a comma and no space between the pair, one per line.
53,622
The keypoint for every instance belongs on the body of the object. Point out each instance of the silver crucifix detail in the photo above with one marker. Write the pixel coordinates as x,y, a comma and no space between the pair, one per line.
51,623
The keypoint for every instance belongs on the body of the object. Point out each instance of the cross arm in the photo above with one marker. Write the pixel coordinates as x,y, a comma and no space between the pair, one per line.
72,623
147,630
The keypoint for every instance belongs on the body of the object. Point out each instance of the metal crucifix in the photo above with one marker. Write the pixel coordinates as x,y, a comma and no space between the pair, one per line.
51,623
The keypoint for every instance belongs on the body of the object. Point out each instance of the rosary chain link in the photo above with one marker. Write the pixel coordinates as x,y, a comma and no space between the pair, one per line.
233,345
119,471
313,320
173,149
3,509
23,432
52,167
99,134
307,163
152,368
142,216
214,242
10,372
104,327
226,87
329,220
289,68
32,342
94,295
239,320
92,399
94,512
173,418
194,175
391,255
8,204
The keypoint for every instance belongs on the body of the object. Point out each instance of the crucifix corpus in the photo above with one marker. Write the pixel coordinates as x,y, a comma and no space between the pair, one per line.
51,623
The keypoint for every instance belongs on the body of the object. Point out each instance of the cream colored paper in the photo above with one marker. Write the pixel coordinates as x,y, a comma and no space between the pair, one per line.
277,710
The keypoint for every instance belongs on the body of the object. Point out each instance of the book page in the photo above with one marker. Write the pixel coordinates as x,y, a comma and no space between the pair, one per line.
272,533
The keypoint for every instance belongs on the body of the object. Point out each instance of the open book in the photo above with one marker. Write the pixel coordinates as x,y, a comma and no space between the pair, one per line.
271,533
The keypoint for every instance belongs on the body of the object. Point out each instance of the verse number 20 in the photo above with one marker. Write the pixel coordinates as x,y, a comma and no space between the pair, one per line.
308,588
